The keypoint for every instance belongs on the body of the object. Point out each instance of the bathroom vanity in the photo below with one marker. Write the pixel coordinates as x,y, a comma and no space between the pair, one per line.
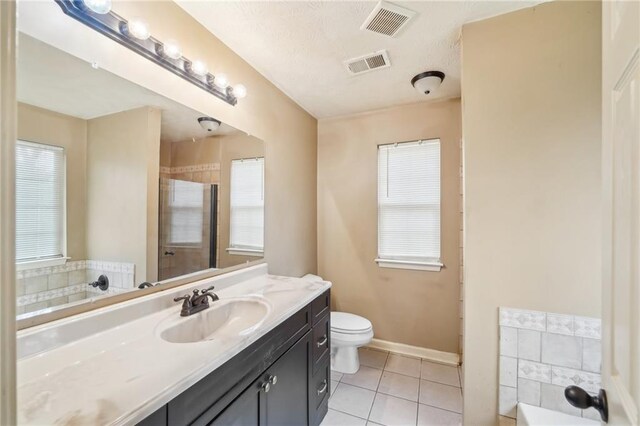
282,379
258,355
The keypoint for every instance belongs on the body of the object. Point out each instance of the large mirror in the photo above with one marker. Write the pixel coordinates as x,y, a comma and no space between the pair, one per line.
119,188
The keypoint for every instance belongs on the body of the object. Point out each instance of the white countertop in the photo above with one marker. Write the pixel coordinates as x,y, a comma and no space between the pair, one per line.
123,374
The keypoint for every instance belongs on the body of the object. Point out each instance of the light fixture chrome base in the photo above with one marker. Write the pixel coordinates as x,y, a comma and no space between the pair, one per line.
114,26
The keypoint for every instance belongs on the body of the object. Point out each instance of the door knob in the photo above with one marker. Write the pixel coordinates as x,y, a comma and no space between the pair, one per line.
580,398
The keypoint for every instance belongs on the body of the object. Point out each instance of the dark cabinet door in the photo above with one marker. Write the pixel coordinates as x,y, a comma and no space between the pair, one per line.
287,402
248,409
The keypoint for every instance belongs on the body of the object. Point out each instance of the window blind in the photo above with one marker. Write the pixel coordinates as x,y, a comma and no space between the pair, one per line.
409,201
247,204
40,201
186,206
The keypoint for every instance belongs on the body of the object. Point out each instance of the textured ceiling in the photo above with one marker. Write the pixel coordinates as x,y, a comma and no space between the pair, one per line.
301,46
52,79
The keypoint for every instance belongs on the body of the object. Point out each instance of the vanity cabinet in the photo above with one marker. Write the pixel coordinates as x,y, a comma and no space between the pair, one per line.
282,379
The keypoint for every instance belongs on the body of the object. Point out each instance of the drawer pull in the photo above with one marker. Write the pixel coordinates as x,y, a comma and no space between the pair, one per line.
266,387
323,389
322,341
273,379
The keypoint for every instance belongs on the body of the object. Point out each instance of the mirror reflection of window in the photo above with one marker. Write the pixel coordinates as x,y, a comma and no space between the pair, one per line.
40,202
186,201
247,205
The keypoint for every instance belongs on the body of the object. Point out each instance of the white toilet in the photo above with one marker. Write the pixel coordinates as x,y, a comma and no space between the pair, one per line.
348,333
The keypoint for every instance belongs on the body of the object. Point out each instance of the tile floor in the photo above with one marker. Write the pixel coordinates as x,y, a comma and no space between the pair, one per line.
391,389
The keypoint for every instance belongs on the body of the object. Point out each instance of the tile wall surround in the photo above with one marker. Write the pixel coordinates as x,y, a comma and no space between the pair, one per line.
191,168
42,288
541,353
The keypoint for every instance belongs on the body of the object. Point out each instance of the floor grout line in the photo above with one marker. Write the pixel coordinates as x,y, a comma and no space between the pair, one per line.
419,387
406,375
376,394
377,391
439,408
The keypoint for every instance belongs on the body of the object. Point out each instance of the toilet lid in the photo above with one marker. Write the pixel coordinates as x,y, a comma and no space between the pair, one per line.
344,322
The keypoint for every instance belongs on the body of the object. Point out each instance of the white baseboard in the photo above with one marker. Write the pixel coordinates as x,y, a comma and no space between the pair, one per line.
446,358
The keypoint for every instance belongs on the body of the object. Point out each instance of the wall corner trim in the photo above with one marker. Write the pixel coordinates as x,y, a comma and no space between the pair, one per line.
440,357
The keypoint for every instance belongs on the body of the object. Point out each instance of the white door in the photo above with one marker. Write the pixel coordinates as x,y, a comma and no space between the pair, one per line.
621,190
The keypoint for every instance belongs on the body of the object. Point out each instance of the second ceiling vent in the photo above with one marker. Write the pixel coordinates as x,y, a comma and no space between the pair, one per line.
388,19
366,63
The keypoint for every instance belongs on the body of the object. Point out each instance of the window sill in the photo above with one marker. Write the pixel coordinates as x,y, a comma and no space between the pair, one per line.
245,252
45,263
407,264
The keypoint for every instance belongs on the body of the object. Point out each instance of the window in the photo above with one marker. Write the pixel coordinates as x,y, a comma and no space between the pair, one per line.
40,202
186,204
409,205
247,207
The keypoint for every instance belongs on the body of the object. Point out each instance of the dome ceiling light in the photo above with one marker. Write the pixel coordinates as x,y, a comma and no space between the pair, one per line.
428,81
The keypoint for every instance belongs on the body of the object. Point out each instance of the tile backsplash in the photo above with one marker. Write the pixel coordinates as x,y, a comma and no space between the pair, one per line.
541,353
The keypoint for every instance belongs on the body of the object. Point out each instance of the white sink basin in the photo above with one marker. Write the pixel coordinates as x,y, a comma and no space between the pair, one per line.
223,319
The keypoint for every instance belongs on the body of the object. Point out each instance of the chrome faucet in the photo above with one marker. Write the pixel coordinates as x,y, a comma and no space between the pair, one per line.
198,301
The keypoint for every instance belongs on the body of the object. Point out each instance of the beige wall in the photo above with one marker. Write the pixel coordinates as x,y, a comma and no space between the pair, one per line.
123,151
204,151
531,124
413,307
289,132
48,127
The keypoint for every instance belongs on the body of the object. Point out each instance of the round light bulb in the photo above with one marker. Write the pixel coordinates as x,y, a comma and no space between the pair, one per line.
199,68
101,7
221,81
138,28
172,50
239,91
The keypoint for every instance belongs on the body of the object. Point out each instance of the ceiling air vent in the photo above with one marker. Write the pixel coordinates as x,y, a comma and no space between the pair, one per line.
388,19
366,63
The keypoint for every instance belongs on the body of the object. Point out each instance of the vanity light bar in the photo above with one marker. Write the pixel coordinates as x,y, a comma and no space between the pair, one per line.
118,29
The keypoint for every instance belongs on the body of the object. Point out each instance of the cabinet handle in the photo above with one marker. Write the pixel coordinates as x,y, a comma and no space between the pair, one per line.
266,387
323,389
273,379
322,341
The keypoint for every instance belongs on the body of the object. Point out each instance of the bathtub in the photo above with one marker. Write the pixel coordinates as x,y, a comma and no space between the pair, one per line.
528,415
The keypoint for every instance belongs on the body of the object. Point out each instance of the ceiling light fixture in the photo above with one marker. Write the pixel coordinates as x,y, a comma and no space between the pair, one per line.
428,81
135,35
209,124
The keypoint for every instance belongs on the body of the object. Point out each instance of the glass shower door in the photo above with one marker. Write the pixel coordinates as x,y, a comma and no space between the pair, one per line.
187,222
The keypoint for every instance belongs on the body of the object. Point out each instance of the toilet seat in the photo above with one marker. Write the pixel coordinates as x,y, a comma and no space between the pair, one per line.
345,323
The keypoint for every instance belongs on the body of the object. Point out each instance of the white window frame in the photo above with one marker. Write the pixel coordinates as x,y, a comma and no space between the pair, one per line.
60,260
239,250
425,264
